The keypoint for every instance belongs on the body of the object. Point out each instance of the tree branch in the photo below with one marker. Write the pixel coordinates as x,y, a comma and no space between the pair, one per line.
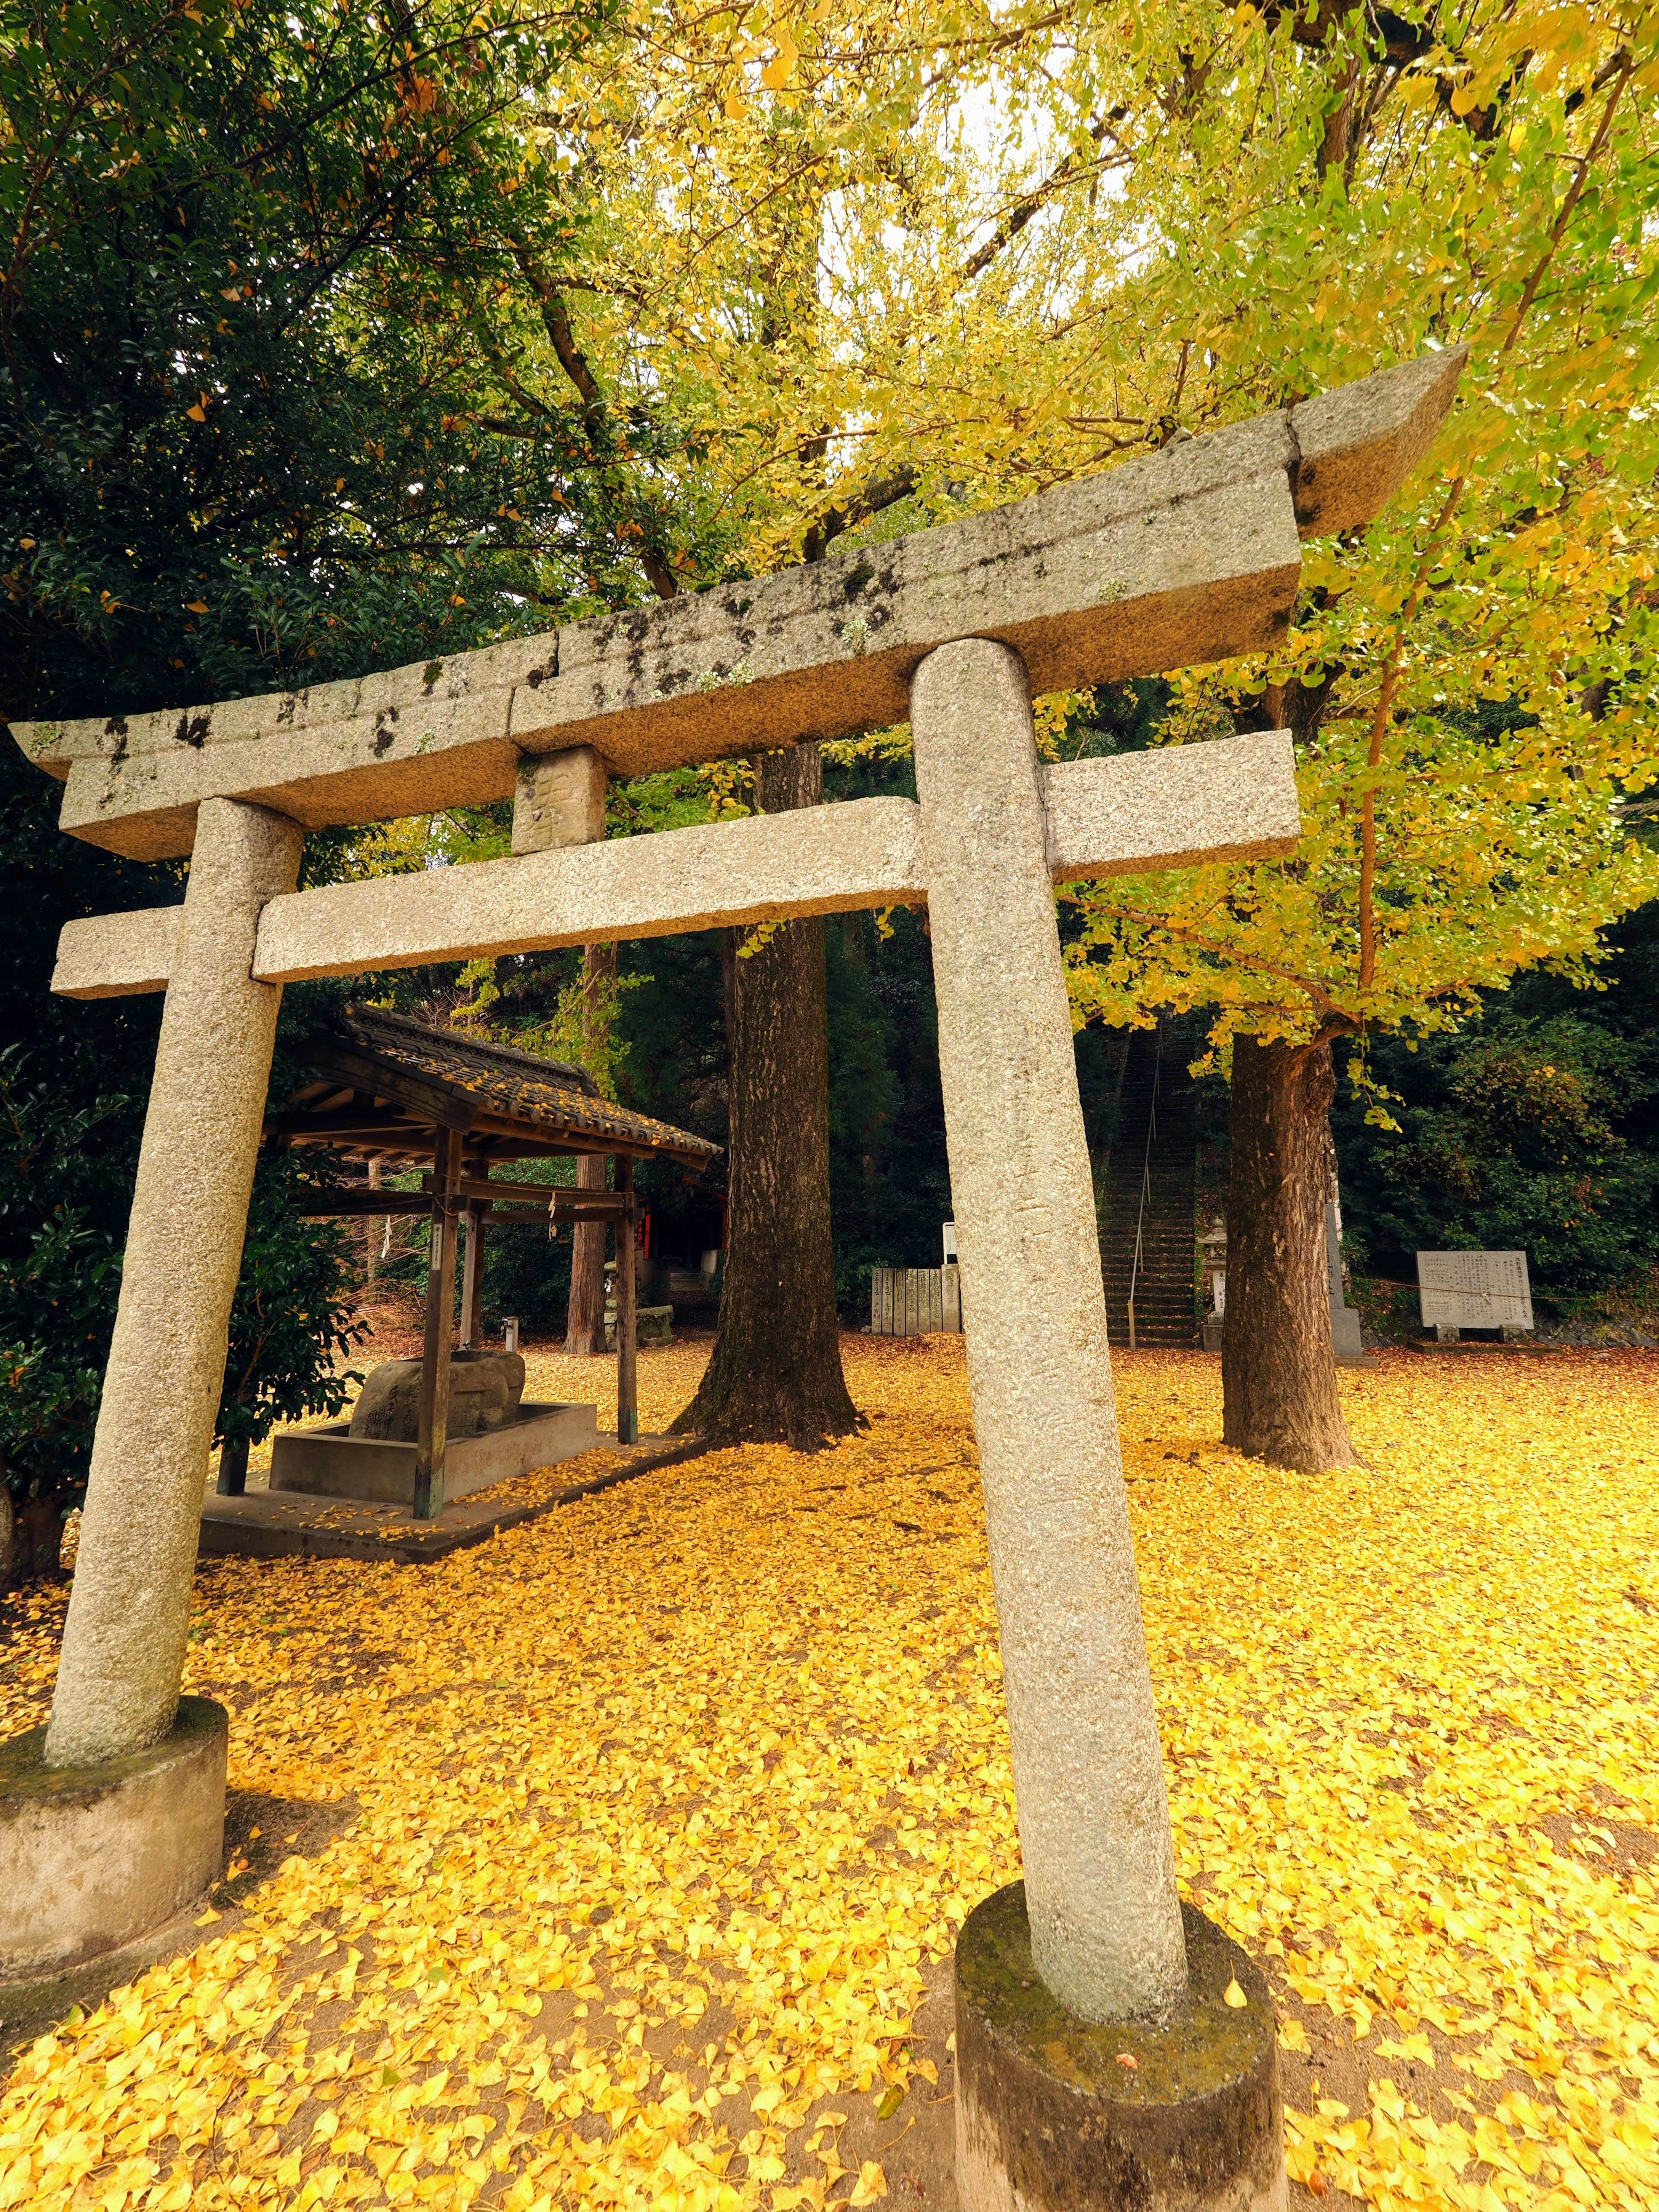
1021,213
880,492
1316,990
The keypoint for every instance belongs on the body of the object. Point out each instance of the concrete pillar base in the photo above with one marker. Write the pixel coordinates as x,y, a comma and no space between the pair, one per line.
1050,2119
100,1860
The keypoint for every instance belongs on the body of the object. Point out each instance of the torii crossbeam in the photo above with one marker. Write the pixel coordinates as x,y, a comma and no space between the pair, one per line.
1189,557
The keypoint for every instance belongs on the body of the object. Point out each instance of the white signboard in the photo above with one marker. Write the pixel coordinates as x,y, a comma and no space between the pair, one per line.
1474,1289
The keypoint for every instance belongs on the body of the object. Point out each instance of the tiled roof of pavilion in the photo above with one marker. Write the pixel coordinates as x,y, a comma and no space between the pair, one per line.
416,1066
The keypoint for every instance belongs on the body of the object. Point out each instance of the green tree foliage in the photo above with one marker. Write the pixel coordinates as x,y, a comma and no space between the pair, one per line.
1534,1128
246,253
1312,193
254,250
65,1173
73,1081
1514,1141
292,1315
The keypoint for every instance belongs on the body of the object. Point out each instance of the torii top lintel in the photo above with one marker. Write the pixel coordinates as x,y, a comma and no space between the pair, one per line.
1192,555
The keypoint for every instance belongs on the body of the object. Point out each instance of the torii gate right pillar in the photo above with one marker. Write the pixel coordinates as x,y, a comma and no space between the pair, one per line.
1047,2116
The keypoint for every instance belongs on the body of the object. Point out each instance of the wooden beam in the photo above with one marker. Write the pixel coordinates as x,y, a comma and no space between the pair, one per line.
433,1438
473,1278
561,1195
347,1199
343,1121
627,1379
321,1205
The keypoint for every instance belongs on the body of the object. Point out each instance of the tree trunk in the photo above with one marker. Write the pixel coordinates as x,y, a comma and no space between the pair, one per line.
31,1541
1278,1373
776,1375
584,1323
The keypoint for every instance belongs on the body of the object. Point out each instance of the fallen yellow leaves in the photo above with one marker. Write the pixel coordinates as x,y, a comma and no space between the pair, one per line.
664,1803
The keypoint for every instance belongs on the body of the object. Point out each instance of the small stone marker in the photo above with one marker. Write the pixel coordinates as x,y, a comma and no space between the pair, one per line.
1474,1290
559,800
915,1301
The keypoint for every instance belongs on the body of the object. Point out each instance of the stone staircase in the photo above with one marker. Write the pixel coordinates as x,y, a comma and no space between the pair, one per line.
1165,1283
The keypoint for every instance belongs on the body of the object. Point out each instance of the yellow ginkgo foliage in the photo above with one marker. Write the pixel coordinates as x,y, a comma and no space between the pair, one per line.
607,1865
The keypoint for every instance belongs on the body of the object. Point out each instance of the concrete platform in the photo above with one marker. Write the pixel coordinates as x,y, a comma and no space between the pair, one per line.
268,1524
331,1462
1467,1349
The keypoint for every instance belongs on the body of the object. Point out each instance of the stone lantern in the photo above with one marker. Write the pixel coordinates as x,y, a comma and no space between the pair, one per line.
1213,1245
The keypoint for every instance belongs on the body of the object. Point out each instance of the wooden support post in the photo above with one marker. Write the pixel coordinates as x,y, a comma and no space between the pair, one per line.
233,1468
434,1355
374,1231
628,1395
473,1278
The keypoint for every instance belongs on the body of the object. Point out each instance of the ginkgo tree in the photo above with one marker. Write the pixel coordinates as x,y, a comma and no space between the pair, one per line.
720,157
1471,680
895,266
1042,247
720,290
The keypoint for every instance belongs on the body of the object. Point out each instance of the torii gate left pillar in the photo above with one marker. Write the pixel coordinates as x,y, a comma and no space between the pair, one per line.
1185,558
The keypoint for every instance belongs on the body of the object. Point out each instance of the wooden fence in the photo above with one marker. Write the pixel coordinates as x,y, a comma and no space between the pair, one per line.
915,1301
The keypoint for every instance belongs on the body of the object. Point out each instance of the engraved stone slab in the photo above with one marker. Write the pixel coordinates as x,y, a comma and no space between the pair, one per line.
1474,1289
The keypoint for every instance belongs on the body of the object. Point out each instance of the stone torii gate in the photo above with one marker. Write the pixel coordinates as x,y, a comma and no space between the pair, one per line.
1189,557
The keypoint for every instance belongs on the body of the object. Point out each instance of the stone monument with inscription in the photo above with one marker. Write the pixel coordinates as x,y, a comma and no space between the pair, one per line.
1191,556
1474,1289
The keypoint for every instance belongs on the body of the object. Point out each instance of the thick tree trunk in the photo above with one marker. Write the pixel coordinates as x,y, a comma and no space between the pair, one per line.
584,1323
1278,1373
775,1375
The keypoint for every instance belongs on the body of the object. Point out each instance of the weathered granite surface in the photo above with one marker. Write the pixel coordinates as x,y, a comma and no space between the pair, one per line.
129,1612
1233,799
1181,806
1094,1823
117,956
1189,555
1356,445
560,799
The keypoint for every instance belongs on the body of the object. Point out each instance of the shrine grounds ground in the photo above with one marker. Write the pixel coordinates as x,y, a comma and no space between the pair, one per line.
618,1860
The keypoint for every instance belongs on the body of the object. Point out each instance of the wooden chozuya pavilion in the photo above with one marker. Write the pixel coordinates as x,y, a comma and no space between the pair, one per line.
399,1095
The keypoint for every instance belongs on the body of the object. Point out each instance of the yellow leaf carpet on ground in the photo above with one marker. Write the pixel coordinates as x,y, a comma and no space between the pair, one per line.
651,1814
